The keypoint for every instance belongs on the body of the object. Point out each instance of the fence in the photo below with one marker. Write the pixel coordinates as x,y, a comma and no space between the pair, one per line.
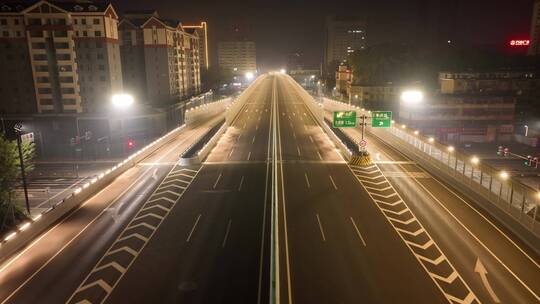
497,187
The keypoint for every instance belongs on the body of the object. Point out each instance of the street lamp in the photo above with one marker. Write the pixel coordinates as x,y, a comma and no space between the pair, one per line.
416,132
249,76
283,71
475,160
412,97
431,139
526,130
504,175
18,131
122,101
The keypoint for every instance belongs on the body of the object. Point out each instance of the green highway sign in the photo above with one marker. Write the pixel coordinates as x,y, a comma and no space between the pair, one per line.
344,119
381,119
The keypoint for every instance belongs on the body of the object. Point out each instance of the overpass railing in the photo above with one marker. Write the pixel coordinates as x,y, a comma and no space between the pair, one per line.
495,187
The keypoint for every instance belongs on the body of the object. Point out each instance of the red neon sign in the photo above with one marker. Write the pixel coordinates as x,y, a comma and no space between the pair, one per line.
520,42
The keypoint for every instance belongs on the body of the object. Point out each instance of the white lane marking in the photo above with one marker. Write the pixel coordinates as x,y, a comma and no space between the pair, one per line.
193,228
321,228
253,140
482,272
311,138
249,155
298,149
241,183
230,153
307,180
226,234
333,183
7,264
257,127
294,134
217,181
239,136
283,201
320,156
358,231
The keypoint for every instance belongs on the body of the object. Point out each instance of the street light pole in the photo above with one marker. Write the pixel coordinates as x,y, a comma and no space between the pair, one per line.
18,130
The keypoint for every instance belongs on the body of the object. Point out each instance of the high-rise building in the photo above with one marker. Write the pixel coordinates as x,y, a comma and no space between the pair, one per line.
534,47
238,57
65,56
202,31
343,35
160,58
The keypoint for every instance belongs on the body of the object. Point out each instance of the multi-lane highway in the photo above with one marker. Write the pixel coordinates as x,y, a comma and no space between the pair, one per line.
274,215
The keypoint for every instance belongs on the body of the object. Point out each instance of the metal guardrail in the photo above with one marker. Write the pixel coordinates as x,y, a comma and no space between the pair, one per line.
510,195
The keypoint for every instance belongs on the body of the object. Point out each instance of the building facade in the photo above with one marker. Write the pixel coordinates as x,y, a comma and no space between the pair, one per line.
462,118
202,32
522,83
161,58
343,35
237,57
534,47
72,49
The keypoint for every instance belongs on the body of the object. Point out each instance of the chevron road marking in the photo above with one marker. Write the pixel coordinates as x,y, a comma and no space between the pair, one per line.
144,218
416,245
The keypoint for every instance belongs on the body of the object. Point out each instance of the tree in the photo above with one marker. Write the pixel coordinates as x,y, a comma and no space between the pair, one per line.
10,176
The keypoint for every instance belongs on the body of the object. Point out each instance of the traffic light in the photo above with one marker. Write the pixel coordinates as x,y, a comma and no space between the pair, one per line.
528,161
500,151
131,144
505,152
534,162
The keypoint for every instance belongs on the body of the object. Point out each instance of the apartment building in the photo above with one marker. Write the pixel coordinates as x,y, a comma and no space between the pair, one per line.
237,57
160,58
343,35
72,51
202,32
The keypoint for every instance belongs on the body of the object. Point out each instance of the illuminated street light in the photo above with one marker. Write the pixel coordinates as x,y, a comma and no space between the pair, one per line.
312,76
412,96
431,139
503,175
249,75
403,126
122,100
450,148
475,160
283,71
416,132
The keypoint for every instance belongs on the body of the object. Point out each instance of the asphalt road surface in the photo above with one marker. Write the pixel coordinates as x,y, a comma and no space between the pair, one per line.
274,215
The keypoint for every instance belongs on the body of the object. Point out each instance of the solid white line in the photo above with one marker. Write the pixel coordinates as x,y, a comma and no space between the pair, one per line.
193,229
321,228
249,155
241,183
358,231
230,153
311,138
289,289
470,232
320,156
298,149
333,183
9,262
253,140
217,181
226,234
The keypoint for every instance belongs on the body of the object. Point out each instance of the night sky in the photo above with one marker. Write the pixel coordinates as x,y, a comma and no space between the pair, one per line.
283,27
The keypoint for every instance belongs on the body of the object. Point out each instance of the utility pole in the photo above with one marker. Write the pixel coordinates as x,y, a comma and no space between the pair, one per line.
18,131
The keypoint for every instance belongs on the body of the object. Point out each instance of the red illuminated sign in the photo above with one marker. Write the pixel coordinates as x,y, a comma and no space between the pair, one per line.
520,42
